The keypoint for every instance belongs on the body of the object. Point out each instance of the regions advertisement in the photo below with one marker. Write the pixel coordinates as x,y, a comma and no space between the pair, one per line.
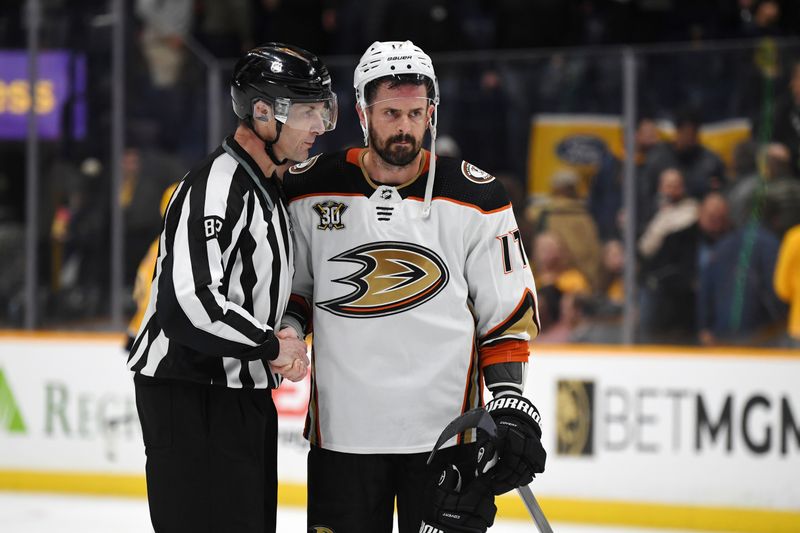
67,405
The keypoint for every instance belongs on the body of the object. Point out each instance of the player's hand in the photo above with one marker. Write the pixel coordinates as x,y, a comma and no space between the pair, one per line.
518,444
457,508
294,372
292,361
287,333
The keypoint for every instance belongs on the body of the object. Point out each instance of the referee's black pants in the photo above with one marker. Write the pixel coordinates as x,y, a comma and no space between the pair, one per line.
211,456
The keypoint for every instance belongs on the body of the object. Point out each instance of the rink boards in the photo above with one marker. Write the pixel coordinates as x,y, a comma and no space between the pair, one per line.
705,439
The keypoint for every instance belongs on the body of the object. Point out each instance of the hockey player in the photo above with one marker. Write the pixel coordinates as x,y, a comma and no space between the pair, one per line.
209,347
413,271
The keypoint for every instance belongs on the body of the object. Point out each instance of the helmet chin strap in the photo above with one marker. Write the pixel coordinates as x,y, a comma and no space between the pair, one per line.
268,146
426,204
267,143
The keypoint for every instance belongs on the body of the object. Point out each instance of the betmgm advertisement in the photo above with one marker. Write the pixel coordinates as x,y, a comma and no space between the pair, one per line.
756,424
673,439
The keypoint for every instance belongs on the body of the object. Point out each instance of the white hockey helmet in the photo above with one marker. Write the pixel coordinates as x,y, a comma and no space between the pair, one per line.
392,58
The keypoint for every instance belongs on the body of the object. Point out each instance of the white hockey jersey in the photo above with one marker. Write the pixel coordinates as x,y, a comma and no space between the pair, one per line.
407,310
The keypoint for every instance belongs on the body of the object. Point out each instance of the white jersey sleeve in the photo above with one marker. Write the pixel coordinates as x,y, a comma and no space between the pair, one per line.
501,288
298,312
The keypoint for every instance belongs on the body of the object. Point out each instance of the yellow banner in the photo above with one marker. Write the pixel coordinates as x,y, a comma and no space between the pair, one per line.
567,141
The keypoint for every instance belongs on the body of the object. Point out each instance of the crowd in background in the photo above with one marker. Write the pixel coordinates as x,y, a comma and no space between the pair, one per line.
708,241
708,234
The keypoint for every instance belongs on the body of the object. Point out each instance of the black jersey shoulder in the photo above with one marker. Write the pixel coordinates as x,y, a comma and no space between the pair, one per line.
326,174
465,183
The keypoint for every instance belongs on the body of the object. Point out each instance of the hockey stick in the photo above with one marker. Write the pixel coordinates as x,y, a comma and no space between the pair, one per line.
481,419
530,502
475,418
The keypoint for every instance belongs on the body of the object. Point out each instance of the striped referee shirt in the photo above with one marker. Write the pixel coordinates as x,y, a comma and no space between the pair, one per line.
222,279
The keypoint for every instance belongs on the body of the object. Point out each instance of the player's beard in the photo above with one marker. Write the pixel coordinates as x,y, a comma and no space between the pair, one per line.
395,154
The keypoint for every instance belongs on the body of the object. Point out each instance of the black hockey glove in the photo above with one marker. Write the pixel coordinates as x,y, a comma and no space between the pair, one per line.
459,509
511,459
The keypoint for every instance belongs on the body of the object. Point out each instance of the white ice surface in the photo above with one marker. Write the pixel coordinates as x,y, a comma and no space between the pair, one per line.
55,513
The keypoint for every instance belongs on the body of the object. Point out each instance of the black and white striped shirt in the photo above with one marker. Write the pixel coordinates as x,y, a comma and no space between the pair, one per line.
222,279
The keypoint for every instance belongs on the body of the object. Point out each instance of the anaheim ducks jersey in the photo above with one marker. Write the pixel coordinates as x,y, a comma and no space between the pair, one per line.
406,310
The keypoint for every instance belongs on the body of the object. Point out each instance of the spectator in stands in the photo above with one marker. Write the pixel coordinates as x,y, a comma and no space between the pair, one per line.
553,265
784,189
164,29
144,276
702,170
612,286
764,19
515,189
744,161
225,28
647,137
167,98
787,281
567,216
787,119
146,173
737,302
714,223
79,247
555,276
569,324
777,183
605,194
667,249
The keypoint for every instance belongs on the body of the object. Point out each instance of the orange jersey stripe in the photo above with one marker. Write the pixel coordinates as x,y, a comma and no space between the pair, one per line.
331,193
512,351
464,204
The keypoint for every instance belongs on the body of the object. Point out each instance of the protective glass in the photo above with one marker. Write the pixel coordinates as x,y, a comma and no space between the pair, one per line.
415,108
319,115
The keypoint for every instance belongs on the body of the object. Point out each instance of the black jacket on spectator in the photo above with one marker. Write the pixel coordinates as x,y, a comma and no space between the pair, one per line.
703,172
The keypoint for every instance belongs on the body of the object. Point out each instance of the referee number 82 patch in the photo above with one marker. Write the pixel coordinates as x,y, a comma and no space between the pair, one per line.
208,228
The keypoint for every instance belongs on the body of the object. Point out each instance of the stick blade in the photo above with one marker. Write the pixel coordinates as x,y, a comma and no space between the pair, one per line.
475,418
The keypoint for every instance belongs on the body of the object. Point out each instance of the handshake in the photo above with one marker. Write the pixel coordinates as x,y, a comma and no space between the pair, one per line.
292,361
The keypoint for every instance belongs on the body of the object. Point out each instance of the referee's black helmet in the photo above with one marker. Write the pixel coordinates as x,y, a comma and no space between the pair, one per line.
278,71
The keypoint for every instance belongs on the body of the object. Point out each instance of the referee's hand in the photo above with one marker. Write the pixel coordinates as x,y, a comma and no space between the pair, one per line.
292,361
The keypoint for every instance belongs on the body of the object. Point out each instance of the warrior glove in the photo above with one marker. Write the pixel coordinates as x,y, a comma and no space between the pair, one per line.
516,454
457,508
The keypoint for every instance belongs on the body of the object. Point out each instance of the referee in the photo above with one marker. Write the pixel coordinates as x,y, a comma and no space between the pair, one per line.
209,345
